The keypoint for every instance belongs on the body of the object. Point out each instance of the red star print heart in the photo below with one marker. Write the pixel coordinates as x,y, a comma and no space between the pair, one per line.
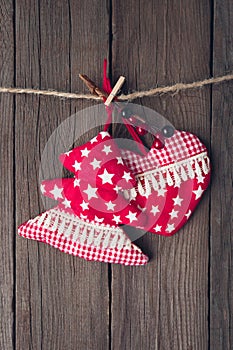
171,181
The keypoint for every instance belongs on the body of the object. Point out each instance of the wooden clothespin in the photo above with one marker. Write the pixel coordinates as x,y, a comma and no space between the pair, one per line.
93,88
115,90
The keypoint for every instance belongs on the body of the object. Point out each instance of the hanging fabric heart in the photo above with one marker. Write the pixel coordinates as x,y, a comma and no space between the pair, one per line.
171,181
171,177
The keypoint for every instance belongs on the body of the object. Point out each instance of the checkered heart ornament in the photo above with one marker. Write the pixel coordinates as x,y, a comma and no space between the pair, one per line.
170,181
171,177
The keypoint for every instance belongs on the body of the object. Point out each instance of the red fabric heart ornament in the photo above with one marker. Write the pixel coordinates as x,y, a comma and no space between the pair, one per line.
171,181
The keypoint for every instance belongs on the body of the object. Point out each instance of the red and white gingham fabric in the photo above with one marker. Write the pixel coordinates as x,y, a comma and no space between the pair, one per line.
129,255
176,175
182,145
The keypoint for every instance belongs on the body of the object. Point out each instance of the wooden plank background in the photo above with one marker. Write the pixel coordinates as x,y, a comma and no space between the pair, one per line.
183,298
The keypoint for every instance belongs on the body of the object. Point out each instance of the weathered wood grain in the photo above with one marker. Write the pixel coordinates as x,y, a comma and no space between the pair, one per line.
7,177
55,301
221,258
62,301
165,304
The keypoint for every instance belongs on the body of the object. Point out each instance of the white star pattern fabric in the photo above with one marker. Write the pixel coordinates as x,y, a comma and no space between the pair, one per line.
157,228
131,216
91,192
85,152
107,149
91,206
127,176
103,164
106,177
198,192
76,166
101,182
56,192
66,203
110,206
84,205
155,210
42,189
177,200
96,163
76,183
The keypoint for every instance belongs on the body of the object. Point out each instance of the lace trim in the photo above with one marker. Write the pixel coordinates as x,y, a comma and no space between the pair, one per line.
171,175
92,234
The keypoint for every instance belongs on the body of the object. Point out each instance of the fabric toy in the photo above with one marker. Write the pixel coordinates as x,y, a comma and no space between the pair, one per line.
171,181
172,176
91,206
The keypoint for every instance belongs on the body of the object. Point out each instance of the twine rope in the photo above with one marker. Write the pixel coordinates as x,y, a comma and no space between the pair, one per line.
131,96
